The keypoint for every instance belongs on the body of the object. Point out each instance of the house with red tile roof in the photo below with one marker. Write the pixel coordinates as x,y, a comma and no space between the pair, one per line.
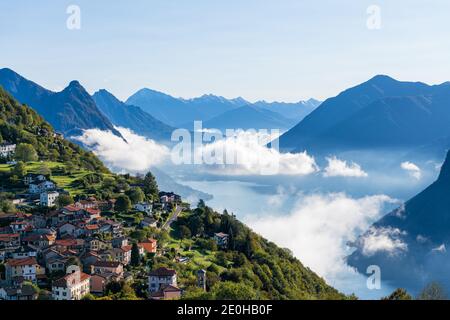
73,286
107,268
90,230
40,241
19,226
27,268
148,246
167,292
93,214
221,239
9,240
122,255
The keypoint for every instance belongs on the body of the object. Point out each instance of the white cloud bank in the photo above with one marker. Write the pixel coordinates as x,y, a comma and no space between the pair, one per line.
386,240
251,156
319,228
413,170
136,154
340,168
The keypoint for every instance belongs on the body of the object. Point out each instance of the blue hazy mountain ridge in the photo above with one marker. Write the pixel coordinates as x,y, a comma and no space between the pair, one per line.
177,112
249,117
163,107
69,111
380,112
183,112
404,122
296,111
423,225
132,117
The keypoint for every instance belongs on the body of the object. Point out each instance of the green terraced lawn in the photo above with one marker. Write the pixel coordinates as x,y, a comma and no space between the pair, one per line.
63,181
197,259
5,167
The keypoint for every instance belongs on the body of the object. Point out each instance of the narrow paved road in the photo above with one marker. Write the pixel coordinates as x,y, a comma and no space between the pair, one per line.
173,218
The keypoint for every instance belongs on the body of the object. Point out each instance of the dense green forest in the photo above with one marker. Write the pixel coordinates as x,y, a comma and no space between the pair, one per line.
21,125
250,267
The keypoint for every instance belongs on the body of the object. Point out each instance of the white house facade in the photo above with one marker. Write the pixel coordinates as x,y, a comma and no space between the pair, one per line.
144,207
74,286
48,199
160,277
7,149
41,187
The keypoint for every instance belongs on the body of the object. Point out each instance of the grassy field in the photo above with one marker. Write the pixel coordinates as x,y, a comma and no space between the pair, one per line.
199,259
64,181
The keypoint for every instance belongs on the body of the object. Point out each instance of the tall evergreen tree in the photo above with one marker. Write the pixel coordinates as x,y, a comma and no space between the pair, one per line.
135,256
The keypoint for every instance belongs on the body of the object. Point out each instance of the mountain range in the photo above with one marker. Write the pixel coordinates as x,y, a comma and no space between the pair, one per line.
249,117
132,117
221,112
379,113
69,111
148,112
415,235
296,111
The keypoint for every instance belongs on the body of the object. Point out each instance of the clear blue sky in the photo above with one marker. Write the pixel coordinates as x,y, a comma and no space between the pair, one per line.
274,50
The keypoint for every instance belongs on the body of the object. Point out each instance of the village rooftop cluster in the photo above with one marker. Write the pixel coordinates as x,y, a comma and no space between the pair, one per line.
77,250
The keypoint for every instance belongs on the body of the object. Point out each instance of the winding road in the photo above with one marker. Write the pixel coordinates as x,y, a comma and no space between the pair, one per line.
173,218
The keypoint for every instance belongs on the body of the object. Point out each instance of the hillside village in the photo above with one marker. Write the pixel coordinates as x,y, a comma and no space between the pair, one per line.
58,245
77,249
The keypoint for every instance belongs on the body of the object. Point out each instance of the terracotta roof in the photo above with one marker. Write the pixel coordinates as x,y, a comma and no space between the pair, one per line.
170,288
92,227
21,262
91,201
164,289
62,282
89,254
32,237
92,211
106,264
150,240
19,222
35,237
67,242
111,222
149,247
163,272
9,236
70,252
71,208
